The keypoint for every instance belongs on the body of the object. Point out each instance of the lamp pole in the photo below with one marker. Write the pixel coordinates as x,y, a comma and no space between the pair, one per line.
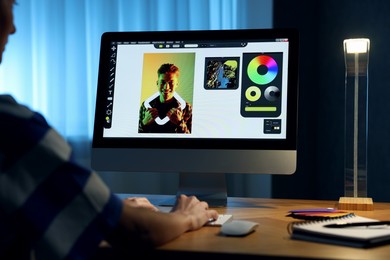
356,54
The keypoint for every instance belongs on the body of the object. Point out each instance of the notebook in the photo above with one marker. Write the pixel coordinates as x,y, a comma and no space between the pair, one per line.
358,236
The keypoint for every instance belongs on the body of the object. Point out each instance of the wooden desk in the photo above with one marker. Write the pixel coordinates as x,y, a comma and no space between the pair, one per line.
271,239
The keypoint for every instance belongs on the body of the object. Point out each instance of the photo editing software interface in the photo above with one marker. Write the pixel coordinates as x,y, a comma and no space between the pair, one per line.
224,89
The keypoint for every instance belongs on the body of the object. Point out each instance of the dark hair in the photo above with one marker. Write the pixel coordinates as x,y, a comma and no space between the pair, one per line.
167,68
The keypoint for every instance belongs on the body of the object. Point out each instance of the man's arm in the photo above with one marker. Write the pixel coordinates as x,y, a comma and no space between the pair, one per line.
143,228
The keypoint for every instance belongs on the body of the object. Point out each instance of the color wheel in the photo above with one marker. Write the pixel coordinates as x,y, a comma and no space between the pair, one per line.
269,63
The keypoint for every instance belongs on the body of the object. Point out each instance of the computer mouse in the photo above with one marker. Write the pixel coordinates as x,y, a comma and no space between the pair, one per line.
238,227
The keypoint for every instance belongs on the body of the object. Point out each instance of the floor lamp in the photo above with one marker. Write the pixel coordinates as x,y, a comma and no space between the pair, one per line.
356,54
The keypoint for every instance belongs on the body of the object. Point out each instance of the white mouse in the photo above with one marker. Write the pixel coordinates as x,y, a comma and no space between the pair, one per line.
238,227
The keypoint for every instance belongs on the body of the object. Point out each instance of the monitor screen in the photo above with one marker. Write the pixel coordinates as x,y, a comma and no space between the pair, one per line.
200,103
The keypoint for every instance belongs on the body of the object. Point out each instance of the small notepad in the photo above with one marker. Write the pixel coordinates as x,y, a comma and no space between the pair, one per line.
362,237
317,213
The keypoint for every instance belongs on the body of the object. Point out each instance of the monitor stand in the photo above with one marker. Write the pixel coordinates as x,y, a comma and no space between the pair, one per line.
209,187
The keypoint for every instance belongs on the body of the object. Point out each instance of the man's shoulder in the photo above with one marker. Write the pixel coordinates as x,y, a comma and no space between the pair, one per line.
7,99
9,106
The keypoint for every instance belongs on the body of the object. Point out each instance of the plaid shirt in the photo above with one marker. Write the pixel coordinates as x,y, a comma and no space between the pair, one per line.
184,126
50,207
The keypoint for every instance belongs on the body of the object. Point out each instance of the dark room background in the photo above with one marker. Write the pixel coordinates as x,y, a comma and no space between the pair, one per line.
323,26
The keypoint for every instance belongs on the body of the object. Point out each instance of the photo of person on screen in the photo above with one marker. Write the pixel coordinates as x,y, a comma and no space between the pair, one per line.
165,111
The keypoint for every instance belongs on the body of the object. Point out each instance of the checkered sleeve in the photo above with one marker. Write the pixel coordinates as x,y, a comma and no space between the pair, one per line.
58,209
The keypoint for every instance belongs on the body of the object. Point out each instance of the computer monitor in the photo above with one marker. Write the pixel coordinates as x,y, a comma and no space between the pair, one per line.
231,109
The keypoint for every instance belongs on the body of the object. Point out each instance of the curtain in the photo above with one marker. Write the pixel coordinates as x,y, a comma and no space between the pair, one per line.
51,63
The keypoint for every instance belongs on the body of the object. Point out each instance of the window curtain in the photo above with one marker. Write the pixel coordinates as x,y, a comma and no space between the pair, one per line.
51,63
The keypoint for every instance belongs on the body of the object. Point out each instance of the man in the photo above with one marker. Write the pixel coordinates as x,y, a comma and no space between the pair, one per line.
52,208
166,111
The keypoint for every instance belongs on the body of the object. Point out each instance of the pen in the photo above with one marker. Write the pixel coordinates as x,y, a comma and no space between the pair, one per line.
359,224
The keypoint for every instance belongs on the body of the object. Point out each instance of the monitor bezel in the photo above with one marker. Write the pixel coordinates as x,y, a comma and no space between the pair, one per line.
288,144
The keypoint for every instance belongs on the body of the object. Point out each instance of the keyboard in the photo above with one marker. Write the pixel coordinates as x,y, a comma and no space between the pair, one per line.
222,218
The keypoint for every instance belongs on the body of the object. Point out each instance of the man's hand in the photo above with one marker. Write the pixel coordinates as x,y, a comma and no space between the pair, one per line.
140,202
198,211
175,115
150,115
